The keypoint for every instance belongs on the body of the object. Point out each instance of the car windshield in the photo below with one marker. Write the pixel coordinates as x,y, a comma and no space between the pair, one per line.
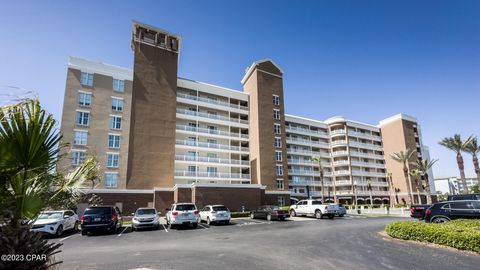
273,207
50,215
185,207
220,208
98,211
145,212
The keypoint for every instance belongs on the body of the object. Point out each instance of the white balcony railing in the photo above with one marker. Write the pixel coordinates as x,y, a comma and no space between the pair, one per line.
338,131
305,130
212,101
339,153
365,145
365,135
342,172
341,162
307,152
211,116
291,140
211,145
368,164
364,173
339,142
211,131
212,174
212,160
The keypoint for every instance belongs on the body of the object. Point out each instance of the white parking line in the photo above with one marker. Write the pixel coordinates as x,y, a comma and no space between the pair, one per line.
120,234
65,238
165,228
203,226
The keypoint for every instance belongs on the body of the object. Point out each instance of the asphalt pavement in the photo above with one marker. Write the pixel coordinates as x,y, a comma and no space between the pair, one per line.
351,242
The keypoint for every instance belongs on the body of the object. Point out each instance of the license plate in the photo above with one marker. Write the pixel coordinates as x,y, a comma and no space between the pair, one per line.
97,219
185,215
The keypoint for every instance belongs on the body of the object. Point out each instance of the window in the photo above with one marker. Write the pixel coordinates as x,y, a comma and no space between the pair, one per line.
113,141
278,155
276,100
279,169
280,184
212,171
111,180
82,118
86,79
117,104
276,114
78,158
115,122
278,142
212,142
192,141
80,138
118,85
276,128
281,201
84,99
192,169
212,156
112,160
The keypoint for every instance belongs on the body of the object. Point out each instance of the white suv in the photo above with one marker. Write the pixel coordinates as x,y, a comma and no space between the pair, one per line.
182,214
313,208
215,213
55,222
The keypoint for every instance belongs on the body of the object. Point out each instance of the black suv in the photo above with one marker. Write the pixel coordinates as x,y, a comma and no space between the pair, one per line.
445,211
101,218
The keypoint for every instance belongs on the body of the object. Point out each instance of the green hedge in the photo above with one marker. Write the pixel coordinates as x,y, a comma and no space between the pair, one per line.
461,234
239,214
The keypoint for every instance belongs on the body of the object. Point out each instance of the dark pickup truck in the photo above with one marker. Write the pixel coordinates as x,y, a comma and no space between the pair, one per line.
418,211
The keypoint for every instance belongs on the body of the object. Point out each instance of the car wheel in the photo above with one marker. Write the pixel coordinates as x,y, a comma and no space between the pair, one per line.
59,231
252,216
84,232
195,225
208,221
292,213
318,214
133,228
269,217
440,220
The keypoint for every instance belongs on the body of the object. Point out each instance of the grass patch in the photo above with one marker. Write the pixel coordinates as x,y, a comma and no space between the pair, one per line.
462,234
239,214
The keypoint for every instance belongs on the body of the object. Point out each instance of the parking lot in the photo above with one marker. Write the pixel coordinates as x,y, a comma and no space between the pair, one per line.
300,243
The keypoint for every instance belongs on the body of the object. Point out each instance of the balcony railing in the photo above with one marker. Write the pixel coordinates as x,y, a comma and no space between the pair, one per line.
211,116
212,160
340,162
370,155
364,135
211,145
212,101
339,153
365,145
309,183
305,130
212,174
308,152
368,164
373,174
338,131
211,131
373,183
342,172
339,142
343,182
308,142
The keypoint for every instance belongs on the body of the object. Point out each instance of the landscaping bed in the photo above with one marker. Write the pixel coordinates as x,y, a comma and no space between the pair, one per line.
462,234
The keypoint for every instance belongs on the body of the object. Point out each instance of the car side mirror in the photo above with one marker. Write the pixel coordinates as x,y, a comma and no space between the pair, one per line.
66,216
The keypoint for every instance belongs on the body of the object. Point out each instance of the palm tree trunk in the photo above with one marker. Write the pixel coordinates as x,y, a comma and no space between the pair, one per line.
323,187
427,189
408,182
371,199
462,173
477,168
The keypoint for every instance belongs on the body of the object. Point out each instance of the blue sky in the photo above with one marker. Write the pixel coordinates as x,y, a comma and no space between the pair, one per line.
365,60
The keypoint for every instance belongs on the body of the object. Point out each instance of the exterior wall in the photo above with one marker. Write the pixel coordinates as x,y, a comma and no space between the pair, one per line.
272,199
399,135
233,198
162,200
152,148
99,121
261,84
182,195
129,202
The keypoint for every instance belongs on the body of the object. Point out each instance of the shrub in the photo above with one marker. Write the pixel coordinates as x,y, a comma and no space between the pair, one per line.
461,234
239,214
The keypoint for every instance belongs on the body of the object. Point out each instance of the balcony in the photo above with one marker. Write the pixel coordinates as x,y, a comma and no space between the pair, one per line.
340,162
211,116
368,155
339,153
372,174
309,183
373,183
212,160
339,142
366,145
307,142
211,145
374,192
306,131
342,172
211,131
343,182
197,174
338,132
212,101
368,164
307,152
364,135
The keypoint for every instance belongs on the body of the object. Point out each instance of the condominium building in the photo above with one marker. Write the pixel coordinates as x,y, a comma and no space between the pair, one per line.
161,139
453,185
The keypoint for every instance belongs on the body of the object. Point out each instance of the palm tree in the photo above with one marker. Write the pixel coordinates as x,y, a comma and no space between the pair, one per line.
473,149
423,167
320,169
456,144
416,175
404,157
369,188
